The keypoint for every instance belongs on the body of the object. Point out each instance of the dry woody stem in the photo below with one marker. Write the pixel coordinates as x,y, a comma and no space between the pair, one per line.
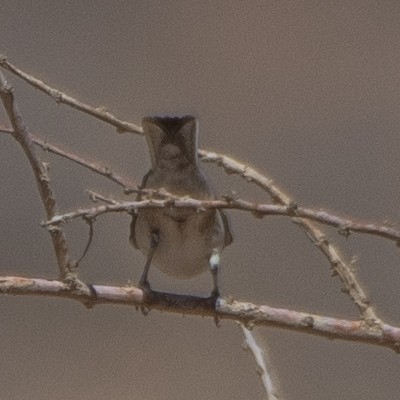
59,97
263,367
23,137
257,209
370,329
338,265
249,314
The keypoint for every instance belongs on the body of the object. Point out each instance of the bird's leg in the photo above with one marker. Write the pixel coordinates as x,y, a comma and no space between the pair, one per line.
214,266
155,239
144,283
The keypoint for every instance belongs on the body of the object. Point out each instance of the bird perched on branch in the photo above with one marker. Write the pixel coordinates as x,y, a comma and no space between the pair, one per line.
180,242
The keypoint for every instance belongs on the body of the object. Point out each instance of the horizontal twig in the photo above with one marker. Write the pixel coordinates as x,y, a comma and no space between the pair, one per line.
249,314
346,226
128,206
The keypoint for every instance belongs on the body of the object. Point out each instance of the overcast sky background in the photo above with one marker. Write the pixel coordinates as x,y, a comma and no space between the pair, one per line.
307,92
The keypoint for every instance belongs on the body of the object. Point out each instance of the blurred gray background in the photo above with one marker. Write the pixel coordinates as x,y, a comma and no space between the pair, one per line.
307,92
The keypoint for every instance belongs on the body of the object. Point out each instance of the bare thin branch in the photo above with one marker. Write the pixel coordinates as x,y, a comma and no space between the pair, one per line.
21,135
263,369
345,225
128,185
232,166
94,196
95,167
60,97
248,313
128,206
6,130
338,265
259,210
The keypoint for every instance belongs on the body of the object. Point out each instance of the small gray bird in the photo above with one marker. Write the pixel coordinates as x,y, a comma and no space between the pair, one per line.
180,242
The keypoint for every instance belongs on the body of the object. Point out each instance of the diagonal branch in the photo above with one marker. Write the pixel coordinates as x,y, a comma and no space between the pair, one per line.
248,173
339,266
21,135
247,313
263,369
95,167
59,97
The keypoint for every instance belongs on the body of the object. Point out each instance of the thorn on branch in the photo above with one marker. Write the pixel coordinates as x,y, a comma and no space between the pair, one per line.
7,88
258,214
308,321
275,199
162,192
45,146
102,109
230,198
335,263
250,325
353,262
396,347
107,171
323,241
245,345
58,97
53,229
121,130
46,167
247,174
389,224
292,208
92,196
344,230
130,190
366,301
169,202
259,370
44,177
334,272
229,299
228,169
